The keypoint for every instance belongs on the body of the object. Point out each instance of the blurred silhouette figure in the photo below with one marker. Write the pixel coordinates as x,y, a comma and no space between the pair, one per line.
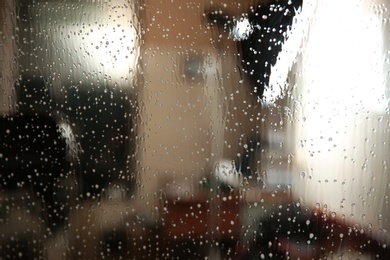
33,157
260,35
103,122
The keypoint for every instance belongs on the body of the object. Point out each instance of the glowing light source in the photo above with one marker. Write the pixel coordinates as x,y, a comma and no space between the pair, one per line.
242,29
90,43
341,110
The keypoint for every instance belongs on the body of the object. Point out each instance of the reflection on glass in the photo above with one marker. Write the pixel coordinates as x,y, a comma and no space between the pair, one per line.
194,130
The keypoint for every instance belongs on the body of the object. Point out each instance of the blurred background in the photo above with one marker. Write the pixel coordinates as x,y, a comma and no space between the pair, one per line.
131,129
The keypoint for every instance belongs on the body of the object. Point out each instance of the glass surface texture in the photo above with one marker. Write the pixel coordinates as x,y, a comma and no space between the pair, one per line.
168,129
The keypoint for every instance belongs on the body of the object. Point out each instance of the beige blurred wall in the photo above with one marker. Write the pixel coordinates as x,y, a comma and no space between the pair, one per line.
8,55
187,124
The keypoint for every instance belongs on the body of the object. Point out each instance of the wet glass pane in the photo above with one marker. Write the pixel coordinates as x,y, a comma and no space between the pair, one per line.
140,129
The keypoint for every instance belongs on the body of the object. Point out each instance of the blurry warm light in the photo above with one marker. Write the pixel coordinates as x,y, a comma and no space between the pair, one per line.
242,29
340,105
345,59
97,42
112,49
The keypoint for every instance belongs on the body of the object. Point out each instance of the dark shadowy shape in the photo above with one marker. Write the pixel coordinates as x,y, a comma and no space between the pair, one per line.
33,157
290,230
267,32
103,120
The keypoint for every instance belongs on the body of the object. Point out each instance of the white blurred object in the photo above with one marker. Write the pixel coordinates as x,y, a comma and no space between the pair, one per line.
100,47
242,29
292,46
225,172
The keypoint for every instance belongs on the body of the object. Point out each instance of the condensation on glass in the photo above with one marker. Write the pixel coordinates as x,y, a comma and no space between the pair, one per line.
194,129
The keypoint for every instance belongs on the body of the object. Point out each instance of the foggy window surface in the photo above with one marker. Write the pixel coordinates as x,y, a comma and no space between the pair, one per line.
140,129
